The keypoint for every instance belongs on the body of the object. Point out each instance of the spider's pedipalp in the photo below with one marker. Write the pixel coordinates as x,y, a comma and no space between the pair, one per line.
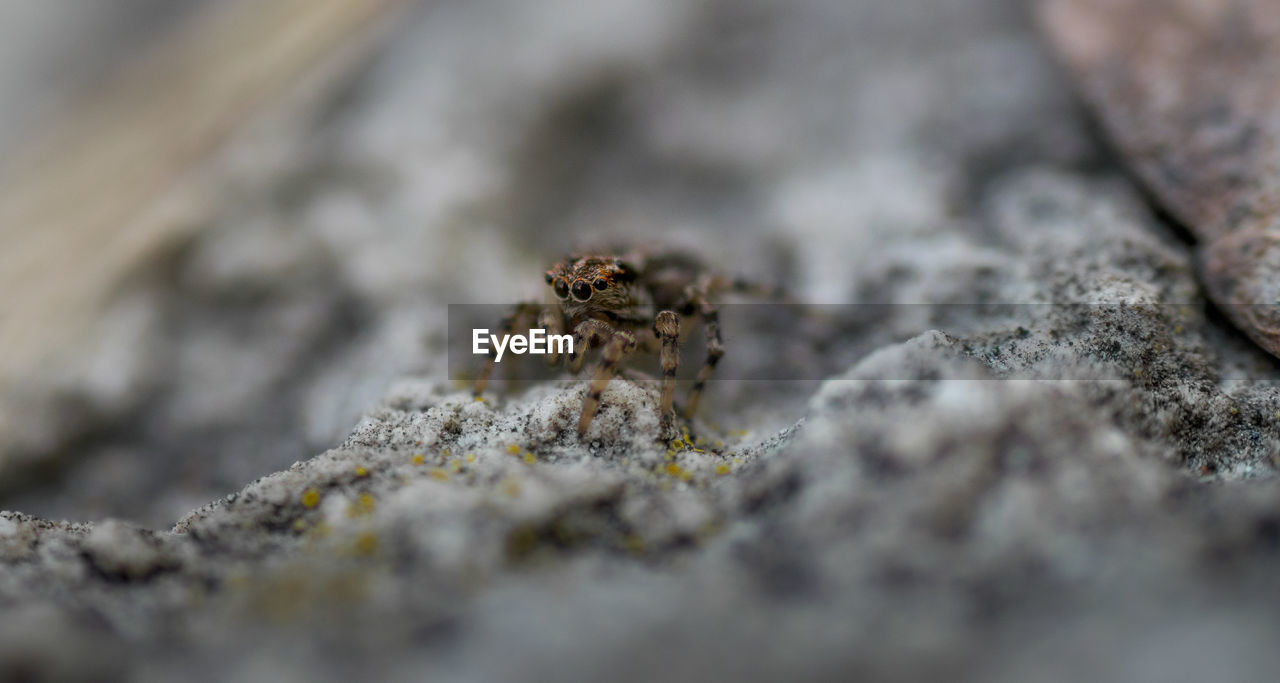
551,320
588,333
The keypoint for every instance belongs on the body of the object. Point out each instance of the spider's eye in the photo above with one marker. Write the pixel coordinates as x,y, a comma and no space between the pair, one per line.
581,290
561,288
600,284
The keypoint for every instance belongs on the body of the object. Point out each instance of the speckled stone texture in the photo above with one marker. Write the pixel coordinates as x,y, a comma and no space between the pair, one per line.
1040,456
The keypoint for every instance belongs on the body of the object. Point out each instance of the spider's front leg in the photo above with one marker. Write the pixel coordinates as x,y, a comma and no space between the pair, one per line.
715,349
519,317
666,327
619,343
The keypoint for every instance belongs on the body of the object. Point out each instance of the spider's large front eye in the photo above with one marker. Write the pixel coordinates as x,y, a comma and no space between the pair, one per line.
581,290
561,288
600,284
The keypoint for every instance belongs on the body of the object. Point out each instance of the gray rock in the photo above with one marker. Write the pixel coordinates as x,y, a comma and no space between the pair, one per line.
1034,451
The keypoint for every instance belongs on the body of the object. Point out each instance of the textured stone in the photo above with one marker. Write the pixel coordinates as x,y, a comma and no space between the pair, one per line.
1035,453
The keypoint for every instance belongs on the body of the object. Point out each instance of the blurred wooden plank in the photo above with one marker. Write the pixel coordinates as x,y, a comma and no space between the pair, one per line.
126,171
1189,91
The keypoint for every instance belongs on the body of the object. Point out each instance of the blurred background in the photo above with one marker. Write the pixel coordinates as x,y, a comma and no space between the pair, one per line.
230,229
228,225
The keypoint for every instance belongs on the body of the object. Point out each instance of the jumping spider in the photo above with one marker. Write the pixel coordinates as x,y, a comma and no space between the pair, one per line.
624,302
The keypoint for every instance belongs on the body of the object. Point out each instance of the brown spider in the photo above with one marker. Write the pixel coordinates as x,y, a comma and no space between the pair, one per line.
605,299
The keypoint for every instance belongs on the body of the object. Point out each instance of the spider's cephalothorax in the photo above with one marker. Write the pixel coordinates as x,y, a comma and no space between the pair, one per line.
594,285
620,302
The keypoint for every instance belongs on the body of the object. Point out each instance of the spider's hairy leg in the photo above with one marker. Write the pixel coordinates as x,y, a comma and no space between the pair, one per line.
666,327
620,343
715,350
518,318
552,320
759,290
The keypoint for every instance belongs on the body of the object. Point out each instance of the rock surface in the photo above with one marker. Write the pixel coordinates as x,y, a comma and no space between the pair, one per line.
1038,455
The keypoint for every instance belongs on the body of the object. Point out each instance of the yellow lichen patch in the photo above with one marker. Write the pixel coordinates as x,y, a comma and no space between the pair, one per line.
362,505
455,466
345,588
196,595
529,459
633,543
1235,410
418,459
437,473
708,530
361,471
723,469
481,399
471,457
299,525
445,452
366,543
522,541
677,444
739,433
513,449
674,470
320,530
280,598
511,487
310,498
237,581
719,443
